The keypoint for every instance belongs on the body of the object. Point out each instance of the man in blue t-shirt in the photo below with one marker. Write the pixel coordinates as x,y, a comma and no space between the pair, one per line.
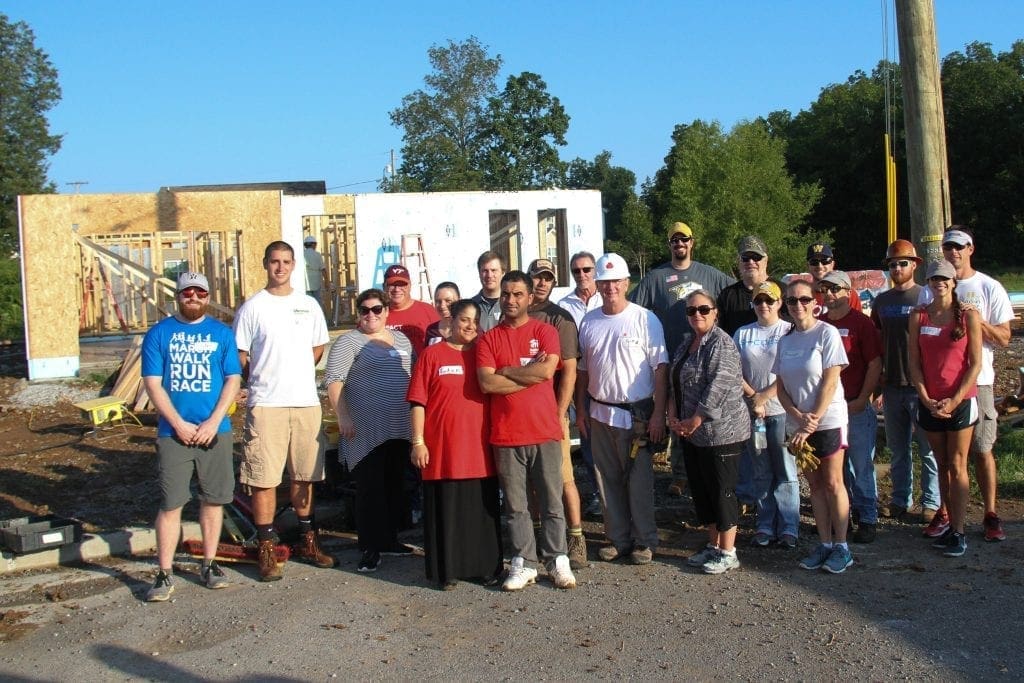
192,373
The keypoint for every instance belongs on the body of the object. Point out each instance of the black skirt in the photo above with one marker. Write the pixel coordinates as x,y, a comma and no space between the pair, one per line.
462,529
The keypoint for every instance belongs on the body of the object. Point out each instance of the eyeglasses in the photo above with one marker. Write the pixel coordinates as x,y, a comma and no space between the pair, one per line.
898,264
818,261
802,300
367,310
190,292
764,301
703,310
831,288
953,246
756,258
580,271
679,240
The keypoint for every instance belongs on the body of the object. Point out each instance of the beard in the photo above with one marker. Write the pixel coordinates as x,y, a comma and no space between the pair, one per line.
192,313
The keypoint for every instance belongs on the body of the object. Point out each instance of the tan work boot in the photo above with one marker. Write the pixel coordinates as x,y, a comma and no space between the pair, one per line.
578,552
308,550
267,561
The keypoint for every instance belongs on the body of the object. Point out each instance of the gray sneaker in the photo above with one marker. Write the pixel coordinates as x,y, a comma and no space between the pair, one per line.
816,560
703,555
214,577
161,589
839,559
721,563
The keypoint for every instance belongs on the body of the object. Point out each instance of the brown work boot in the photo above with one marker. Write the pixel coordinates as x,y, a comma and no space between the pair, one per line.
578,552
267,561
308,550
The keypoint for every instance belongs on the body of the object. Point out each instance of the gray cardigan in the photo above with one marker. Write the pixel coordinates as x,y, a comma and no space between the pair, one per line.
709,383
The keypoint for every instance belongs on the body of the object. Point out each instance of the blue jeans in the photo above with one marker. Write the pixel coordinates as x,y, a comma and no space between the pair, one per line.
859,474
900,410
774,482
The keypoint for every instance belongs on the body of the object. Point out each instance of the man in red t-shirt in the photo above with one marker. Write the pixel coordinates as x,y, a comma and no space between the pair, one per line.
405,314
516,361
860,379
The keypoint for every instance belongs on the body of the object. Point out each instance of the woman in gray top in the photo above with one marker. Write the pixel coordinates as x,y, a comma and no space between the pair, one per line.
367,377
708,411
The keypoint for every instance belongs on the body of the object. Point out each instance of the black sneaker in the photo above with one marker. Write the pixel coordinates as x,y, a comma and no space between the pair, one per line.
399,550
369,562
956,545
213,576
865,533
940,542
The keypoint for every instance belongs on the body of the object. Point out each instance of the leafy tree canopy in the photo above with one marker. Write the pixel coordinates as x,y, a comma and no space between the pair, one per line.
28,90
616,184
727,185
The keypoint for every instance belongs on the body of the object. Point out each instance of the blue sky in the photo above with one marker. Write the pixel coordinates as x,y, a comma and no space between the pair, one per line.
181,93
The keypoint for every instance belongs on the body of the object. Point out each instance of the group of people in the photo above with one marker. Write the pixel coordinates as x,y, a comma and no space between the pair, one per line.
745,378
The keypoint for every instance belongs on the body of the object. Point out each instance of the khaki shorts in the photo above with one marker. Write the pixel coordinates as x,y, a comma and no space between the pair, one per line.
567,475
274,438
984,439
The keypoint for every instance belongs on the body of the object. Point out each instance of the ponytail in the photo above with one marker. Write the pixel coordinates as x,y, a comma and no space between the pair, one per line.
959,330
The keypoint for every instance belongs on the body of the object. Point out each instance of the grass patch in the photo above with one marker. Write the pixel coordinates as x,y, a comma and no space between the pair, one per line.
1009,451
1012,281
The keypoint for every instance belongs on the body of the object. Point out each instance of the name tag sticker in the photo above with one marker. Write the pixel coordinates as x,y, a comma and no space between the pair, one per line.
843,332
397,353
450,370
931,331
525,361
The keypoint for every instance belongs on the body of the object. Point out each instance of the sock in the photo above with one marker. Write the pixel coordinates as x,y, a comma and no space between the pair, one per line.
842,545
265,532
828,545
730,553
576,531
305,524
206,563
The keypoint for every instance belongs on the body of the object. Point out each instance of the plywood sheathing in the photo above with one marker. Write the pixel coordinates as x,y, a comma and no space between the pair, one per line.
51,260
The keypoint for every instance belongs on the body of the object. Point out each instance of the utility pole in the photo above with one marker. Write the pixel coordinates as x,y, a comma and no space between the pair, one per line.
925,124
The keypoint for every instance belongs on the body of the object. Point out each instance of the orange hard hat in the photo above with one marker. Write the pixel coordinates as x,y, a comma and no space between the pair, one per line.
901,249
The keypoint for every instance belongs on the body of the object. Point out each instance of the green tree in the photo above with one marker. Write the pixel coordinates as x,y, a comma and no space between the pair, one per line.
445,124
839,144
727,185
616,184
525,124
636,242
28,90
983,95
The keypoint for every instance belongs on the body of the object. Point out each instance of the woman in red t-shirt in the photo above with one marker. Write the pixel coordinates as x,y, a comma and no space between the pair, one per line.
945,358
450,430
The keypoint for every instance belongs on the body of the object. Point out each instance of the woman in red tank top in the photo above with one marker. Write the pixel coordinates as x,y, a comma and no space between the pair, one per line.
945,358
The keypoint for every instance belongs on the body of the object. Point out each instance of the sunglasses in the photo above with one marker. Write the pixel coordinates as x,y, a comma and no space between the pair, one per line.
818,261
190,292
756,258
953,246
802,300
831,288
764,301
396,285
679,240
367,310
580,271
898,264
703,310
938,278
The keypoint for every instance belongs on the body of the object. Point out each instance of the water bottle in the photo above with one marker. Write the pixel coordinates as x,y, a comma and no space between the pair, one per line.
760,434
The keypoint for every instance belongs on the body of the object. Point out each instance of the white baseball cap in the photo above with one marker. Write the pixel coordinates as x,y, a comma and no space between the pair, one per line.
309,239
612,267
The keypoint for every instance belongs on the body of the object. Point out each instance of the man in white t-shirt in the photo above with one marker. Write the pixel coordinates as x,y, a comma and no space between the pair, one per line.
623,363
281,334
316,272
989,298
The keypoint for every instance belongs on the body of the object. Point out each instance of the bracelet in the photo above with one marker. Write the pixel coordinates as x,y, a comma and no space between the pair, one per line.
418,441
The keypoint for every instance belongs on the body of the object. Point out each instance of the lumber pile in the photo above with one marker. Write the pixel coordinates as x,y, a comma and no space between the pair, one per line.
129,385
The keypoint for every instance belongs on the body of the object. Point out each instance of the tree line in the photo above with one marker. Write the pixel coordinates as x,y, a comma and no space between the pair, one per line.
792,179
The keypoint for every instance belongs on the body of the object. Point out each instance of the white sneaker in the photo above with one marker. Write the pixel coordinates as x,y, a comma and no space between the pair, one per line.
561,573
703,555
520,576
721,563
